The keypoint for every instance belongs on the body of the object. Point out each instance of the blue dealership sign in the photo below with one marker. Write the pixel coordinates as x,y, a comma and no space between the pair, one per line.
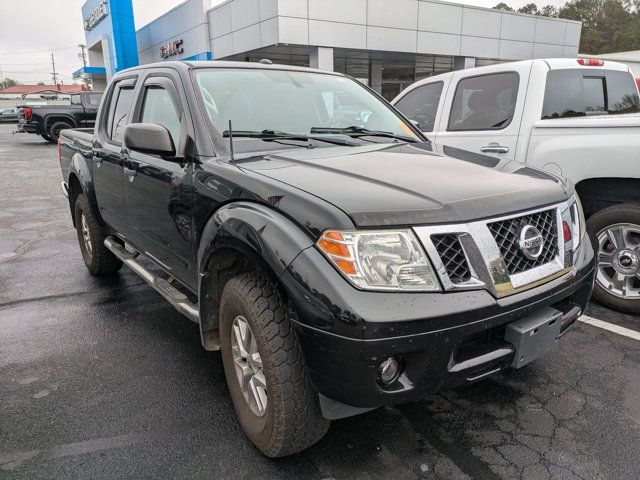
110,34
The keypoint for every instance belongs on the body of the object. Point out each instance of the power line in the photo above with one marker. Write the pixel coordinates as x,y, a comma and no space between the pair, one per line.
40,51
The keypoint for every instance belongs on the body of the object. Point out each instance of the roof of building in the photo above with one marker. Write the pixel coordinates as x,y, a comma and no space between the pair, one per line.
31,89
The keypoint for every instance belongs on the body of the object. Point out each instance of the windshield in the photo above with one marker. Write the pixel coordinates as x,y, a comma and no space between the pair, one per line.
297,103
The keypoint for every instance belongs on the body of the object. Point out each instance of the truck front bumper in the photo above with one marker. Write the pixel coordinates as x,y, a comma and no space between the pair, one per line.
441,340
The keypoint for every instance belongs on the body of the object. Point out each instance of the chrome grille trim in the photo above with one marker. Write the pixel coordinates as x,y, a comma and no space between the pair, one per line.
506,234
487,266
453,258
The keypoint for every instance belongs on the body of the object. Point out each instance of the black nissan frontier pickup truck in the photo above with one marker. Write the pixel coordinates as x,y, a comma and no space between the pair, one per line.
338,259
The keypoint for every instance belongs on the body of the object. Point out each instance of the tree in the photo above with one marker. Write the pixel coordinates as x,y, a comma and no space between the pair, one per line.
504,7
530,8
7,82
607,25
548,11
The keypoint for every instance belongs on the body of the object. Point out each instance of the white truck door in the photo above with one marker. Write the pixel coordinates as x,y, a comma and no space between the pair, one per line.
482,112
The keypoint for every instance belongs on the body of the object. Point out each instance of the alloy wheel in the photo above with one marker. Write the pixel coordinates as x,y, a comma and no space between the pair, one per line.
248,365
86,235
619,260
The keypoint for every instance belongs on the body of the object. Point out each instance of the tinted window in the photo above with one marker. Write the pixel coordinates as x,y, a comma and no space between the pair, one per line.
118,118
158,108
93,100
486,102
594,95
578,92
421,105
622,96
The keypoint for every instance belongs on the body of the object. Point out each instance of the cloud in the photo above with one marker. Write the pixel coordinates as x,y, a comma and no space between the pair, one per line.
31,30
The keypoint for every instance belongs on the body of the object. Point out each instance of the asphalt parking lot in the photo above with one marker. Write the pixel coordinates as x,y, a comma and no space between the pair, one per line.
99,378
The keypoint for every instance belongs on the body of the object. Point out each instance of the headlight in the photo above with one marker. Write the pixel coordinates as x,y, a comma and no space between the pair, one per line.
578,226
380,260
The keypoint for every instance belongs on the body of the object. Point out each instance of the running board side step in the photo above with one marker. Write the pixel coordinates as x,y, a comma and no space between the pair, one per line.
171,294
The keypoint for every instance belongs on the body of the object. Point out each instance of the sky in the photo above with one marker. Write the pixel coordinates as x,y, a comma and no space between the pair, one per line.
31,30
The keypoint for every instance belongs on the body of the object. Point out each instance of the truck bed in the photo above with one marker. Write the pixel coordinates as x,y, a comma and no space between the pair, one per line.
631,120
80,138
581,146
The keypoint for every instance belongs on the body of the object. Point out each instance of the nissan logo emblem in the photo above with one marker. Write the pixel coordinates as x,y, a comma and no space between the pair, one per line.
531,242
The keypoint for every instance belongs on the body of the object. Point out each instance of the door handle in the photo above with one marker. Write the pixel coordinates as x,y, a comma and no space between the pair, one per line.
494,148
131,172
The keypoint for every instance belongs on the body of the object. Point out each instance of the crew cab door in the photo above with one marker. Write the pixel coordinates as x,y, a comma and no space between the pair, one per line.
108,160
482,113
157,190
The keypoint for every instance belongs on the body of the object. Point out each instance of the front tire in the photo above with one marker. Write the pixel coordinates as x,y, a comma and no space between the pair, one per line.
98,259
615,232
273,397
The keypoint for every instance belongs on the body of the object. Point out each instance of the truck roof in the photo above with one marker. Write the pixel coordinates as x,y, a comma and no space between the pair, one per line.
552,64
187,65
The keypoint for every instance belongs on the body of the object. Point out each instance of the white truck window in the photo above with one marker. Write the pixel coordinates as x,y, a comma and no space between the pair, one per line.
485,102
577,93
421,105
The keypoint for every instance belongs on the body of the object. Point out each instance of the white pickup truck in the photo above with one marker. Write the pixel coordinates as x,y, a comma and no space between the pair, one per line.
576,117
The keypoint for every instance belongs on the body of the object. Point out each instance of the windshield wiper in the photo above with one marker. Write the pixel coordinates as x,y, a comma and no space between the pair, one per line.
272,135
355,131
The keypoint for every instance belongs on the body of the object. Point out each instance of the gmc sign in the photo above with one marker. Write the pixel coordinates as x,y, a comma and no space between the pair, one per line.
172,48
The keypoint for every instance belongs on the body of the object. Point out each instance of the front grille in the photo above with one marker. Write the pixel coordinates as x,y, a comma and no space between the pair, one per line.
452,256
506,234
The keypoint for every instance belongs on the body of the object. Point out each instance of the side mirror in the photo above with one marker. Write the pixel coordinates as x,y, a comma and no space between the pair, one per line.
149,138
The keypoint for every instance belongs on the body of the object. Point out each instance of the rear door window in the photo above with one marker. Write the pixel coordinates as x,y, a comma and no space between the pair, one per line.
579,92
93,99
485,102
421,105
118,117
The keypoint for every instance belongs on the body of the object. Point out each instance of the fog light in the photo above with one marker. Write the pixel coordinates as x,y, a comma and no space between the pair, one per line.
389,371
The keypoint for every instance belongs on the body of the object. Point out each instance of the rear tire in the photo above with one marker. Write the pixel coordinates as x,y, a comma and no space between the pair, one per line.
56,128
98,258
616,286
279,411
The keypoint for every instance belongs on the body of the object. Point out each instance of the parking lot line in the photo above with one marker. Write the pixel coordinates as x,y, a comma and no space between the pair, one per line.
627,332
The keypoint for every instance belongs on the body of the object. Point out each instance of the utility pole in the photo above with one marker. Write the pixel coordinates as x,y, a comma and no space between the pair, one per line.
83,56
54,75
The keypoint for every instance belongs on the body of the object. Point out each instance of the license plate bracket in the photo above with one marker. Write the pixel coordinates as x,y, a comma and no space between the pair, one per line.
533,335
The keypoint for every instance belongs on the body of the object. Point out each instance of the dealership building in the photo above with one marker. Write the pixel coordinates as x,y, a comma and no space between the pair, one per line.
387,44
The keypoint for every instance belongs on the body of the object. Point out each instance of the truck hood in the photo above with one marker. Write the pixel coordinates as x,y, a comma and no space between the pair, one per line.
409,184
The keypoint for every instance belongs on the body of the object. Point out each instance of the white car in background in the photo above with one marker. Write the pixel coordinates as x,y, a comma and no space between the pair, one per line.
576,117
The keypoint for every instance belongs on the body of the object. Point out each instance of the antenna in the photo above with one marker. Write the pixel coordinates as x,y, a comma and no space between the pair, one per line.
231,140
